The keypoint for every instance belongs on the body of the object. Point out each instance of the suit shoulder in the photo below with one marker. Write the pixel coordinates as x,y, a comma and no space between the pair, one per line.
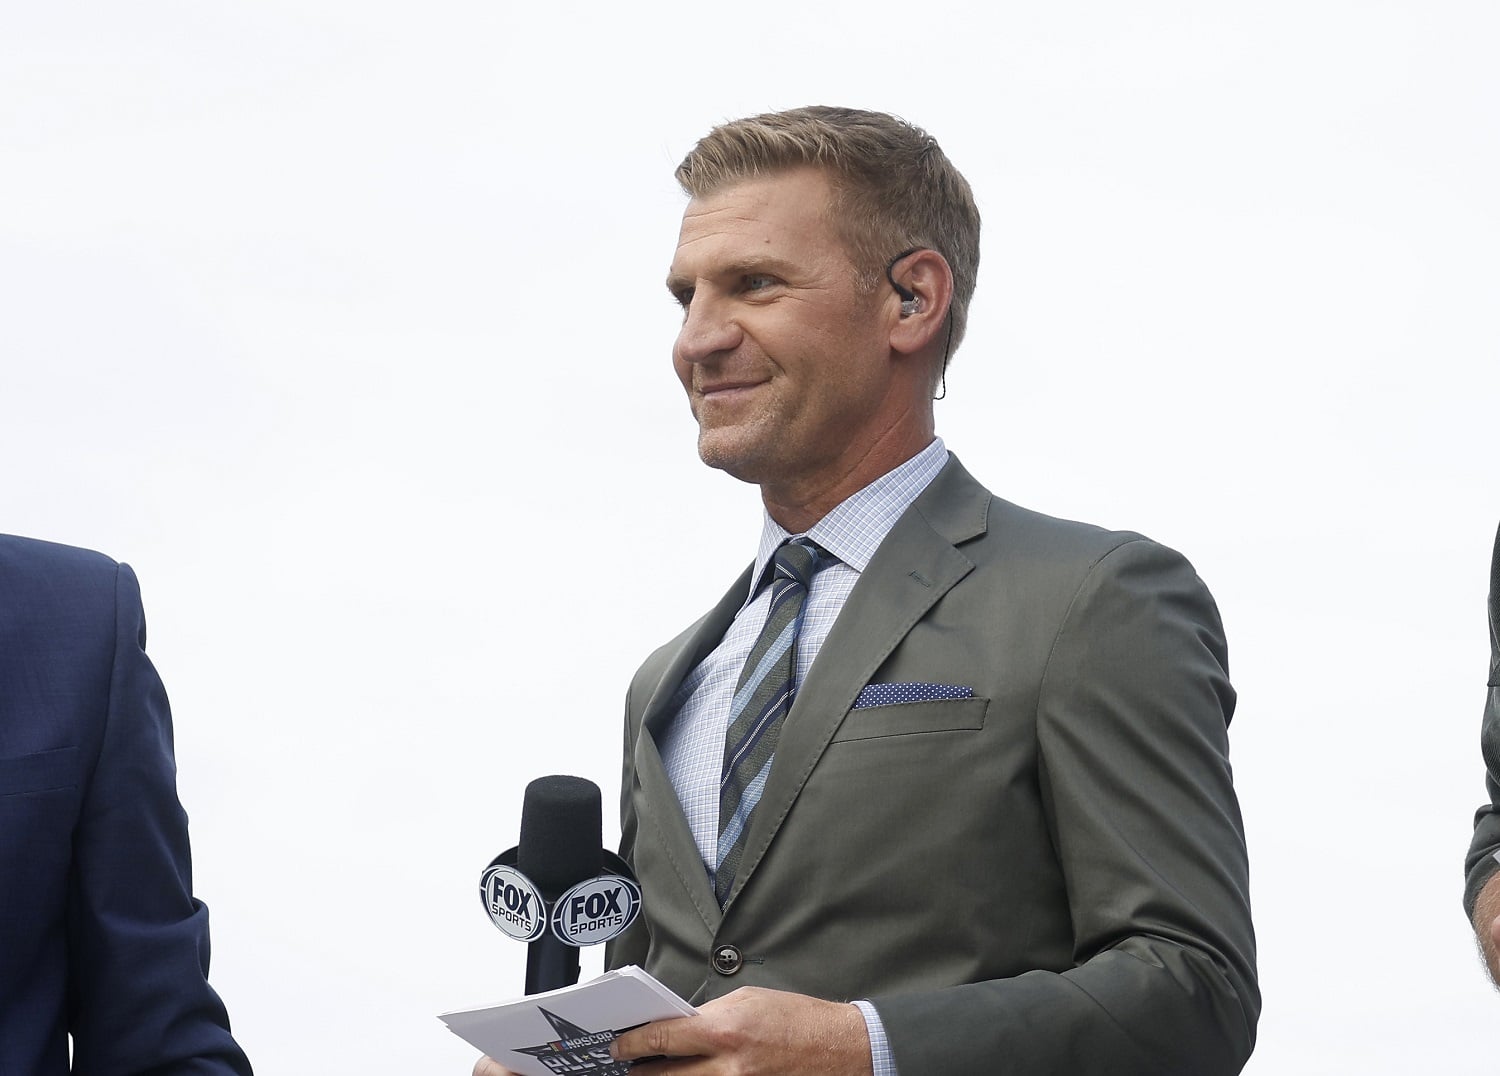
983,525
44,582
34,557
1063,557
1049,539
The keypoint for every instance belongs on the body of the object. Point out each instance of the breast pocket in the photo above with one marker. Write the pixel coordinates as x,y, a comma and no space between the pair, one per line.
40,797
913,718
45,771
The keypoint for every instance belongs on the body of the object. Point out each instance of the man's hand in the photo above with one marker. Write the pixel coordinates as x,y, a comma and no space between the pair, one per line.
751,1031
488,1066
1487,925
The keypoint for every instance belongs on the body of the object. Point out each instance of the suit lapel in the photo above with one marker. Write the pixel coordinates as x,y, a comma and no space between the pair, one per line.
915,566
666,815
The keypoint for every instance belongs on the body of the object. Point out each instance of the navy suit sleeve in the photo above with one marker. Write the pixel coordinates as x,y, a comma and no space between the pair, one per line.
1481,865
139,1000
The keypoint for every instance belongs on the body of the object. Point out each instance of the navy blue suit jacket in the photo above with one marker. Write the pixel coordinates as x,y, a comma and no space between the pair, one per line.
100,936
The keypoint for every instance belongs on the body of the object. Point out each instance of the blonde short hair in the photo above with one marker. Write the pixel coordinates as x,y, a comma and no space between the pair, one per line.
894,188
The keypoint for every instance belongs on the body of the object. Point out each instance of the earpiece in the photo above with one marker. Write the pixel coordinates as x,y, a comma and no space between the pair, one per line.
910,304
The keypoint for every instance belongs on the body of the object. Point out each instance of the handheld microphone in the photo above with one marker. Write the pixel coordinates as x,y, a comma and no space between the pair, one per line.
558,889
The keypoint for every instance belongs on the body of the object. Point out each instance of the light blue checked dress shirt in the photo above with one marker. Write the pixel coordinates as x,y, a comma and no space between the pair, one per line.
693,747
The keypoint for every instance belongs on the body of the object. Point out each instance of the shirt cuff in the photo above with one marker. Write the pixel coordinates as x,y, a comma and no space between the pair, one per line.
880,1047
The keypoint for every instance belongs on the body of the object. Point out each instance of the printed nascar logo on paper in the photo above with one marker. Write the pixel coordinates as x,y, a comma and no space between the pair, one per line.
576,1050
596,910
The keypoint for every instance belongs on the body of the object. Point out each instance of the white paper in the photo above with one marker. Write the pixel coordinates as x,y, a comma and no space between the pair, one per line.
568,1030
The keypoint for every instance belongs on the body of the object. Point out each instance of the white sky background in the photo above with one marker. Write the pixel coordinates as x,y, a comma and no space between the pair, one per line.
343,323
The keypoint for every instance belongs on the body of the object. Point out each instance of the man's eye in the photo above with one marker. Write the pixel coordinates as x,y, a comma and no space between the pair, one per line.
684,297
758,282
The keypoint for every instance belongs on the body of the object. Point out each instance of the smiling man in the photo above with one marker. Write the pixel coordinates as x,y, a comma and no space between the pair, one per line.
783,352
941,784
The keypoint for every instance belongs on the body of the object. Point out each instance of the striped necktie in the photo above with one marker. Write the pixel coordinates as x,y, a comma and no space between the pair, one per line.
764,695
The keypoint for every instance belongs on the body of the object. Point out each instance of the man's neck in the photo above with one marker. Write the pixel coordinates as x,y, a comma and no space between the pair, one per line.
798,506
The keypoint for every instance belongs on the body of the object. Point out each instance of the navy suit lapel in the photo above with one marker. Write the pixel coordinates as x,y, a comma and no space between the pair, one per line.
914,567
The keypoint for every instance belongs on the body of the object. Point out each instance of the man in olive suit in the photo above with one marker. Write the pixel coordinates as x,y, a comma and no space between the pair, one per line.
995,830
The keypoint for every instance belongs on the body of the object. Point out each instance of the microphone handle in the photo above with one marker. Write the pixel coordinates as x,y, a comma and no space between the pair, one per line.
550,965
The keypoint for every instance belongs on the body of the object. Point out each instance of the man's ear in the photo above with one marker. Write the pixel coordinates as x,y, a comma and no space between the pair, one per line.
918,304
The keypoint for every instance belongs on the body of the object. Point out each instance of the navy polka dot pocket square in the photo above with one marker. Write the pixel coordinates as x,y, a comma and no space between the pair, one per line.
890,694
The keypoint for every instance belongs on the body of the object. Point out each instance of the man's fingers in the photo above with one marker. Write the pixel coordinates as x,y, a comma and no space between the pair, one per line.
488,1066
663,1038
755,1030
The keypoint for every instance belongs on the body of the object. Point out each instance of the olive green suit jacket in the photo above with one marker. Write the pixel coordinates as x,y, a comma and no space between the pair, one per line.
1481,863
1048,877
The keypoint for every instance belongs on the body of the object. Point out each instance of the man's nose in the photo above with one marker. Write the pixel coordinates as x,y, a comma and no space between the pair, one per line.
708,329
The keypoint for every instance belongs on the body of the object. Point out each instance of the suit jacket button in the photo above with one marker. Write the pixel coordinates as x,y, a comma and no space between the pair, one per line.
727,960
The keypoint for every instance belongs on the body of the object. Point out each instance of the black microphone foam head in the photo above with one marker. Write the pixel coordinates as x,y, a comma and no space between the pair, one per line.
561,827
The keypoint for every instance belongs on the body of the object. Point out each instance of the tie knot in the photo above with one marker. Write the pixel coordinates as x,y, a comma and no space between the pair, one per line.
800,559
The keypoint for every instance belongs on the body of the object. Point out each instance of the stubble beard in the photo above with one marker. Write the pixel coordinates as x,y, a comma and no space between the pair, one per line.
747,450
744,462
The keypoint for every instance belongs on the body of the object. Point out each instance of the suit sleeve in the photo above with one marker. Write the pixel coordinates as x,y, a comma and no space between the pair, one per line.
1131,727
140,1000
1481,864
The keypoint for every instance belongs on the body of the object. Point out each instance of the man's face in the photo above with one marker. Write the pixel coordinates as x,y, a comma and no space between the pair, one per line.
785,361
